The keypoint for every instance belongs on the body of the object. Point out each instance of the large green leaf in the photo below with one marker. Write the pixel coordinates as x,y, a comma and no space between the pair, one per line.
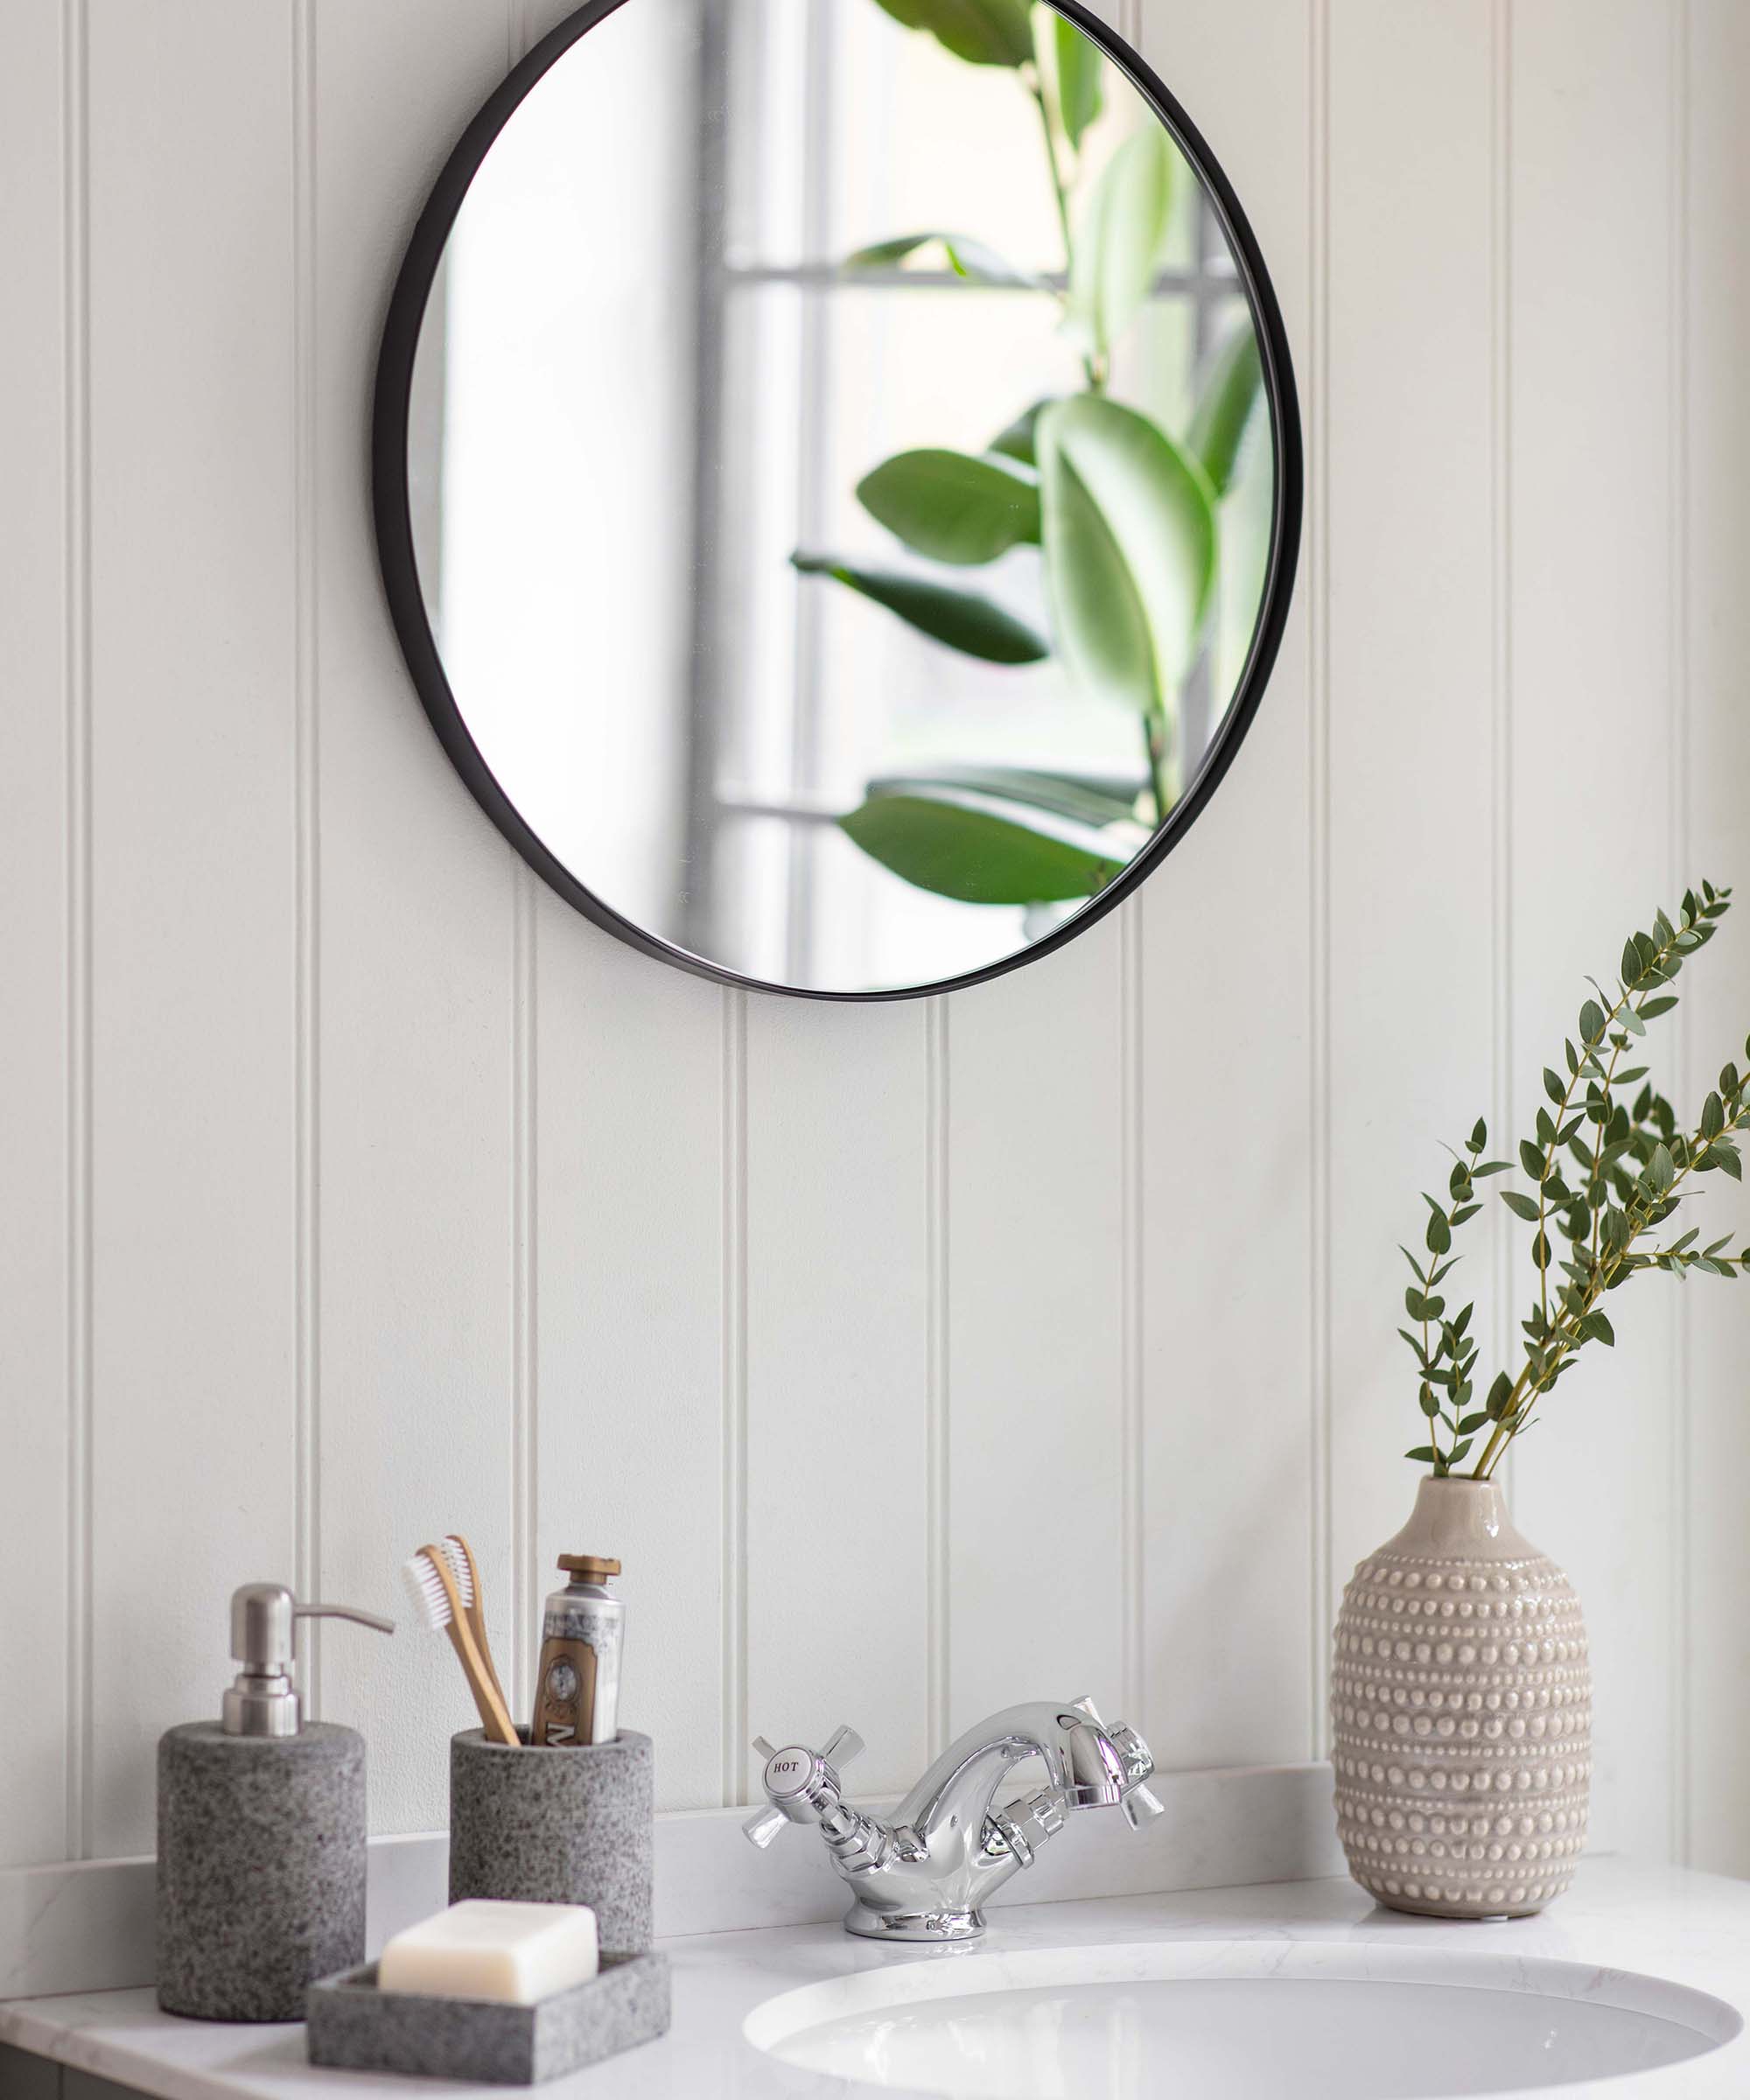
961,619
985,32
1130,550
1092,799
1016,440
951,507
979,849
973,260
1217,437
1079,70
1119,240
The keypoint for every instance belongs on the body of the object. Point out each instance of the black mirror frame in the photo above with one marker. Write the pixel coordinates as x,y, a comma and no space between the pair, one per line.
394,519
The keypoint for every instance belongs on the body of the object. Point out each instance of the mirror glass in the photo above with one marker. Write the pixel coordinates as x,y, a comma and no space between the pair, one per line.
843,468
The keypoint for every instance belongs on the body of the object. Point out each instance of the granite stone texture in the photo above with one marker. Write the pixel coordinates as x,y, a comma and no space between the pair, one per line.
557,1826
261,1873
352,2026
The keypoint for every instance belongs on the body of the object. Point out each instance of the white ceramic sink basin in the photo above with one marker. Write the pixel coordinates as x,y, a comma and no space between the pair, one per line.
1237,2021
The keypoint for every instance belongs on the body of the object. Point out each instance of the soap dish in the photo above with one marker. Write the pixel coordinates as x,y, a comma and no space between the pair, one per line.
355,2026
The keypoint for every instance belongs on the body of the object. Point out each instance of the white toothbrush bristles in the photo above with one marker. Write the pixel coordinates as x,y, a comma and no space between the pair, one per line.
424,1586
461,1570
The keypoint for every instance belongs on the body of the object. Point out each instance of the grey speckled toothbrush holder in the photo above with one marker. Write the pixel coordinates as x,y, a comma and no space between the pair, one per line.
557,1826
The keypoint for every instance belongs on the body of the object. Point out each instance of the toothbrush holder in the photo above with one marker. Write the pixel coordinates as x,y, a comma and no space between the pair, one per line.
557,1826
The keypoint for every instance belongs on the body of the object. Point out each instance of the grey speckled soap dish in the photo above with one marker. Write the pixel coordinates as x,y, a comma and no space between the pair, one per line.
357,2028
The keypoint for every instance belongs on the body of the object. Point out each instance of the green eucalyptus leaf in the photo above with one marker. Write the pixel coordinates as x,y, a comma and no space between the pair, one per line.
1118,245
1424,1454
1130,536
1521,1205
951,507
1224,412
978,850
983,33
960,619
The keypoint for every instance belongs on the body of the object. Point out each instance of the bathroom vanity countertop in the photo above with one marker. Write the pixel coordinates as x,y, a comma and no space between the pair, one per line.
1685,1927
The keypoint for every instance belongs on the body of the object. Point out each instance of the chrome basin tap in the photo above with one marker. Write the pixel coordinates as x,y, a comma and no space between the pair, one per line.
927,1874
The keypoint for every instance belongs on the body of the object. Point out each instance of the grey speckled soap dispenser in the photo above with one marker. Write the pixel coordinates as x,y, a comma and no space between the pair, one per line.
261,1834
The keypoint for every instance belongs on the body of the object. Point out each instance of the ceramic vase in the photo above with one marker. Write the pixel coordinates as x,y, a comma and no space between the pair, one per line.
1461,1704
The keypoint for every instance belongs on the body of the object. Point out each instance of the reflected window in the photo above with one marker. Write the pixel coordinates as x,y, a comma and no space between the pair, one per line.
839,132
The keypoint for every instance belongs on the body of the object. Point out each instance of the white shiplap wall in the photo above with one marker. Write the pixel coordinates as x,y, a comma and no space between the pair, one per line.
915,1358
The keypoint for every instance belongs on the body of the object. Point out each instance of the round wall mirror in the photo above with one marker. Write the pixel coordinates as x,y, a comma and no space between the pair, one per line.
837,478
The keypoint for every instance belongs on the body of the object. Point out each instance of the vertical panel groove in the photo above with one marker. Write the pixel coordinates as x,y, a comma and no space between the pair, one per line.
307,1523
1321,1586
1131,1480
524,1269
1682,872
1132,1484
734,1387
1131,1067
1501,713
524,1484
936,1363
77,346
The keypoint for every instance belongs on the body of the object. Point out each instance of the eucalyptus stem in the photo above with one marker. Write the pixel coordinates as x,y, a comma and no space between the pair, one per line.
1637,1169
1569,1337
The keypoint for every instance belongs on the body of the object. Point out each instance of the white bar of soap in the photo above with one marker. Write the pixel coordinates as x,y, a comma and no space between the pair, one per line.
515,1953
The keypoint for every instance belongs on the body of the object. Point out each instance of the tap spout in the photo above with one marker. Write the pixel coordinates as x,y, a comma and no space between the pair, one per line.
1082,1762
926,1873
953,1848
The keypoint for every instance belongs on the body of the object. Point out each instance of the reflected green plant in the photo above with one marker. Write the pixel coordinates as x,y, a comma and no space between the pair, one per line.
1126,517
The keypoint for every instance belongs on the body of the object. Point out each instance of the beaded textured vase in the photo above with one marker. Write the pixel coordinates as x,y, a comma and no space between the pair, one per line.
1461,1699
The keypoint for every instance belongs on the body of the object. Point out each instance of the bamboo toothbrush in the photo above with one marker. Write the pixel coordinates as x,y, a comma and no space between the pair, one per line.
432,1588
460,1556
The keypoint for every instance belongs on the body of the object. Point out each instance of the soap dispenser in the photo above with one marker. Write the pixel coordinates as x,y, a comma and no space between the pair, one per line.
262,1833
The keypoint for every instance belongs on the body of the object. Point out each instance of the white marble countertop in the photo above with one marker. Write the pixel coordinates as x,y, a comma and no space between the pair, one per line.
1685,1927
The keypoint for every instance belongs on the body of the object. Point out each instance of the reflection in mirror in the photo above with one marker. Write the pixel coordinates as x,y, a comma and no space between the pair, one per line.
842,485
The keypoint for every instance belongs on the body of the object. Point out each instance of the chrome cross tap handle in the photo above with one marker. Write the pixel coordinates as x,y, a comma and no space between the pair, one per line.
802,1785
925,1873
